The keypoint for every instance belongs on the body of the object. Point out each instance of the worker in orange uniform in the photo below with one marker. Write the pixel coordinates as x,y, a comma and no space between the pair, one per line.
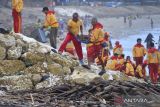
75,27
140,71
120,62
129,70
17,7
153,62
52,23
138,52
94,47
112,62
118,48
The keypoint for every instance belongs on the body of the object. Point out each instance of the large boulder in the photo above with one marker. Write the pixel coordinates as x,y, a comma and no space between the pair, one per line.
35,69
36,78
83,76
21,43
14,52
7,40
11,67
62,60
2,53
18,82
31,58
55,69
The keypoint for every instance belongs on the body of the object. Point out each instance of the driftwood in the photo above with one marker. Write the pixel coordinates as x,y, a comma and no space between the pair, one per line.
101,93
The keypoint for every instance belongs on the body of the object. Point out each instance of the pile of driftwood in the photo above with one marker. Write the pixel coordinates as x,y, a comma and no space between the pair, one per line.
98,94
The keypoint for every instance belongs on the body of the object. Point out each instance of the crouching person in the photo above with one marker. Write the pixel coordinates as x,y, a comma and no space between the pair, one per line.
129,69
121,61
112,62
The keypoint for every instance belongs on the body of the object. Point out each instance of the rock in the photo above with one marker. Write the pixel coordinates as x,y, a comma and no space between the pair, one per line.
31,58
11,67
115,75
36,78
56,69
106,76
18,82
33,46
2,53
43,49
82,76
14,52
20,43
66,70
62,60
51,81
43,84
35,69
7,40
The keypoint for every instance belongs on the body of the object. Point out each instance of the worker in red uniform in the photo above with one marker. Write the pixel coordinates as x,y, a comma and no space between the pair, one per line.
138,52
94,47
75,27
17,7
153,62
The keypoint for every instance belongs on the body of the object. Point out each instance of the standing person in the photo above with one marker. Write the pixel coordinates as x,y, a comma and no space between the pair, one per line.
151,23
94,47
159,44
51,21
74,28
153,60
17,6
138,52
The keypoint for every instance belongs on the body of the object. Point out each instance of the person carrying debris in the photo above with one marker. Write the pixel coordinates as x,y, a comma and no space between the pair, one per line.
118,48
94,47
74,28
153,62
17,6
138,52
51,21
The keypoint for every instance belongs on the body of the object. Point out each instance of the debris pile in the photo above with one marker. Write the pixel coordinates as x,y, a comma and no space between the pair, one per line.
98,93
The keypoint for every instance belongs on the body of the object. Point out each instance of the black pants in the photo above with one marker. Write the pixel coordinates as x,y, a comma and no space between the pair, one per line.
53,37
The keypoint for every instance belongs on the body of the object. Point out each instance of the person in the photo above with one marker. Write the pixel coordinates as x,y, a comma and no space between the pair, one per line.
94,47
52,23
149,40
153,62
140,71
120,62
159,44
107,39
17,7
118,48
112,62
138,52
152,23
129,67
74,28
